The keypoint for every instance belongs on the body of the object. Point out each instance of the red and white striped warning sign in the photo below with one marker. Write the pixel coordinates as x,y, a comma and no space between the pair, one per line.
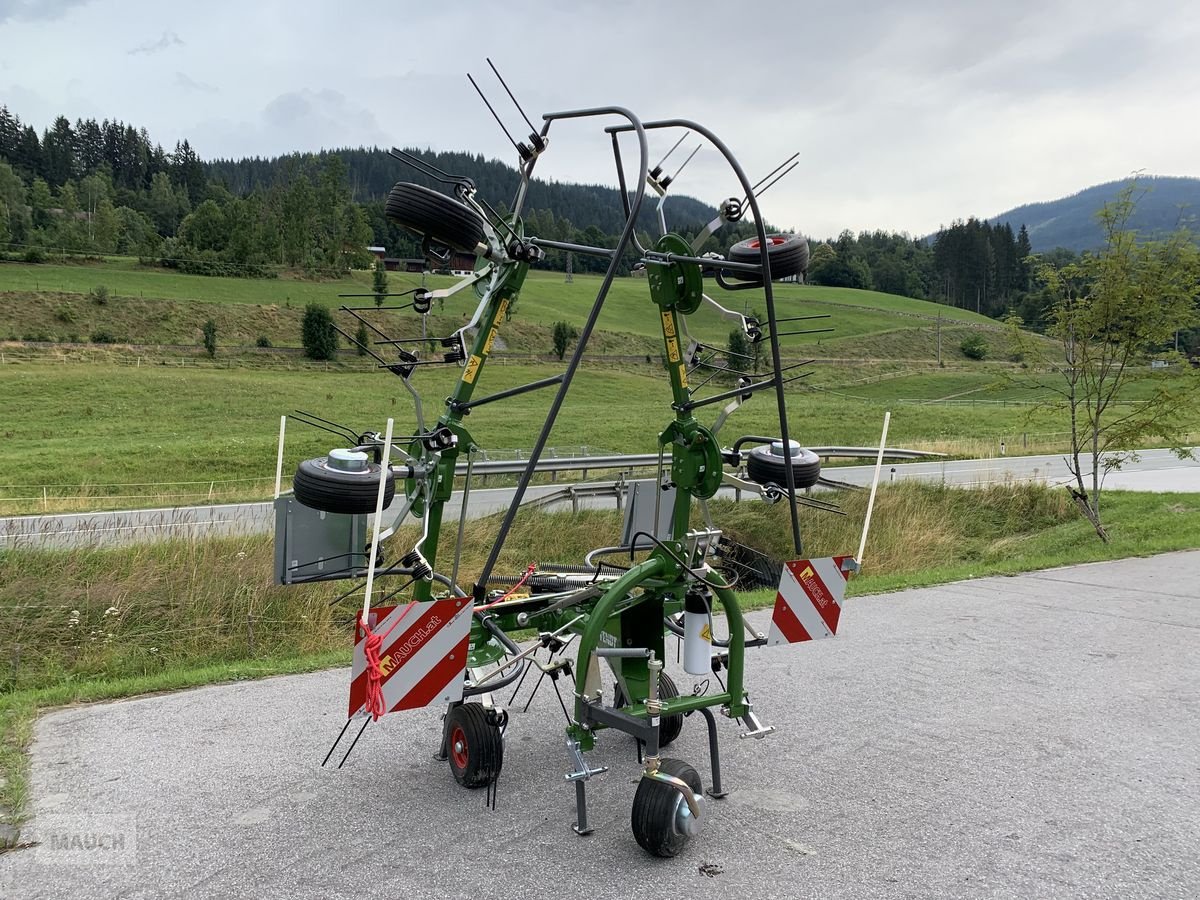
422,657
809,601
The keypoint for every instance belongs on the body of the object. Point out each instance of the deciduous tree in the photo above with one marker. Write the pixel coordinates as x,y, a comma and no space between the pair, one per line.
1113,312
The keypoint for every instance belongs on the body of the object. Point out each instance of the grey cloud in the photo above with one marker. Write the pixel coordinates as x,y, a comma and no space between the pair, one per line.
190,84
32,10
169,39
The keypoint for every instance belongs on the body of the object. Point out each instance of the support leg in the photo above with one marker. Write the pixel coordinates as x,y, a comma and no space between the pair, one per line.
581,826
714,755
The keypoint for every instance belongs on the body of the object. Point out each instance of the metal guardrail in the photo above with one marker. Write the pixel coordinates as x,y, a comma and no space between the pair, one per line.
650,460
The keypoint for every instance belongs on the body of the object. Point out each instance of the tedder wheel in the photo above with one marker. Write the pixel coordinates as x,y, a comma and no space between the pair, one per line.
662,821
343,482
766,464
670,726
440,218
474,745
788,254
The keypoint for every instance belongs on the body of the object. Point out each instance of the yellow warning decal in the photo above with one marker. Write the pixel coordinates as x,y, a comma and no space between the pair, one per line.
673,350
487,345
472,369
683,375
668,324
706,633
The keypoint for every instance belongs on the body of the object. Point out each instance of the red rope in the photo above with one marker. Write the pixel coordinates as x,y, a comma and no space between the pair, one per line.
371,645
524,578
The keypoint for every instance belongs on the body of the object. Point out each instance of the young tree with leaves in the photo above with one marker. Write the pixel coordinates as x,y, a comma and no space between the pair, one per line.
1112,312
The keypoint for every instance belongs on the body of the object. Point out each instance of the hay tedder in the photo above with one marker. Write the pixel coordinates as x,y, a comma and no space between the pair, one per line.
452,645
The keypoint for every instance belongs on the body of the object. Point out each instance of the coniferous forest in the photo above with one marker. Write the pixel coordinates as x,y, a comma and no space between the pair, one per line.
107,188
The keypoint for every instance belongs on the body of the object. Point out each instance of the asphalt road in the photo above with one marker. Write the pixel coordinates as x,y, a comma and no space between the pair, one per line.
1156,470
1034,736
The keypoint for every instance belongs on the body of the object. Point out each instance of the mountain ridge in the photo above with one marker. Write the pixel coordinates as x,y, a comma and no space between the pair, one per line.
1169,202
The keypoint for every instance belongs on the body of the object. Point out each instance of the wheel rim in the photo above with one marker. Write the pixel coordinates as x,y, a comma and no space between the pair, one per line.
683,823
458,747
772,241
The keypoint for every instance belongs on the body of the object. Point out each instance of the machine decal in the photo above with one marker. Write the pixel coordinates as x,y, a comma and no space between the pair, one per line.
809,601
422,659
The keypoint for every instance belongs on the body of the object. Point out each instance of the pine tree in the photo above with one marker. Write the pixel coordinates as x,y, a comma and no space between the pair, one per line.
380,282
317,333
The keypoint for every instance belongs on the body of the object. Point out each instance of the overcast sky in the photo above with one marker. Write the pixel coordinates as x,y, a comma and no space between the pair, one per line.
906,115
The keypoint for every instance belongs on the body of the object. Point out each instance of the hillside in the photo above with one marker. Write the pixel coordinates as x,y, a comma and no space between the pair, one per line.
153,306
371,173
1169,203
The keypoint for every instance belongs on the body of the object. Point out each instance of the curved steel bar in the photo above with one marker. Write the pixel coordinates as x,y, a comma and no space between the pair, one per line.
555,405
768,293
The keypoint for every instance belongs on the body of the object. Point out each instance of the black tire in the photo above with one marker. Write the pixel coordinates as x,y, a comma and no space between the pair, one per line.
788,254
474,745
440,218
669,727
654,810
331,490
764,467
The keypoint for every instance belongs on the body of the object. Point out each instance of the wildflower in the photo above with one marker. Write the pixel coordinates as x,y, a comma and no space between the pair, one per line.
241,554
111,611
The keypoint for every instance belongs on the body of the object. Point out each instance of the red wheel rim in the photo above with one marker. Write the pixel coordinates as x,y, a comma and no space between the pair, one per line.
773,241
458,738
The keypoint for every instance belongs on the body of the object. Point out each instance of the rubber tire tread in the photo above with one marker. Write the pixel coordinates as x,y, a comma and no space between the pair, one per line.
485,746
654,809
434,215
346,493
787,259
766,469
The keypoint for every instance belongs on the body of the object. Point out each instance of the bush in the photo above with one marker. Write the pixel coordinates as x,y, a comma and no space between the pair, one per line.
102,337
361,339
263,341
210,338
99,295
65,314
317,333
974,346
34,255
564,333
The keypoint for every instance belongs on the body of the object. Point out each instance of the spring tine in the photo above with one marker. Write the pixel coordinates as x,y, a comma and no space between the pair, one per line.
428,169
493,112
337,741
662,161
366,722
503,84
763,190
685,162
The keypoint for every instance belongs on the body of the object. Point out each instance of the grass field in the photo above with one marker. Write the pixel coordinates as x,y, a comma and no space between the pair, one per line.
103,427
157,306
115,434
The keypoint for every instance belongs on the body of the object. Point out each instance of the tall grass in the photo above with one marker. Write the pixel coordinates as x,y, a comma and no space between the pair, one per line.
137,610
127,612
